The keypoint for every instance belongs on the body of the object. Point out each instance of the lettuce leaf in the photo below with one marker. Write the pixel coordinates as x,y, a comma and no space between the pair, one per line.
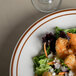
37,58
58,30
73,30
43,66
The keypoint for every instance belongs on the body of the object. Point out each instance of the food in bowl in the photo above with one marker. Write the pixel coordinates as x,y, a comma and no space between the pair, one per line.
58,55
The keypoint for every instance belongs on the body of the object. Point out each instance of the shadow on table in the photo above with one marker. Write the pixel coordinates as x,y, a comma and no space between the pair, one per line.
11,40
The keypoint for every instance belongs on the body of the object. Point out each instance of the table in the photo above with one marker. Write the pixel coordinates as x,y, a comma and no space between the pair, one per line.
15,17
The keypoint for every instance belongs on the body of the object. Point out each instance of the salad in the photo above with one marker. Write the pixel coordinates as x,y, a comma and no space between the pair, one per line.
58,55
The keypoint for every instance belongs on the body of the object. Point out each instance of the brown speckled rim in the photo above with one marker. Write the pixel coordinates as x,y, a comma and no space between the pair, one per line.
13,58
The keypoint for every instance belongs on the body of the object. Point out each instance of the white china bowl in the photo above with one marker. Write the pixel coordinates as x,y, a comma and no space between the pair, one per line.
30,42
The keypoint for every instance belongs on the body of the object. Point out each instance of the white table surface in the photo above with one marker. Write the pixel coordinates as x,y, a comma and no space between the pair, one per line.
15,17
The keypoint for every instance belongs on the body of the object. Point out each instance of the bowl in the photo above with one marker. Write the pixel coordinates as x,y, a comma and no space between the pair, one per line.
30,43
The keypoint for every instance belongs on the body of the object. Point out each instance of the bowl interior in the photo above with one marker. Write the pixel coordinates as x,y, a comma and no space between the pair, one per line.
31,44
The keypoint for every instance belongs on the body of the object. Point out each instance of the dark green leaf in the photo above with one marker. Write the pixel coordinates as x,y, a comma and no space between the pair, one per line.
42,56
61,60
63,64
48,50
57,70
57,31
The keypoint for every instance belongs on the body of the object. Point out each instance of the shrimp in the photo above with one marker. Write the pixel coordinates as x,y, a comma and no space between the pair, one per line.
61,47
70,61
72,41
70,51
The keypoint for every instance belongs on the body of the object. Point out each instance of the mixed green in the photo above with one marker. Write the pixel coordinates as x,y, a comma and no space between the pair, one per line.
53,59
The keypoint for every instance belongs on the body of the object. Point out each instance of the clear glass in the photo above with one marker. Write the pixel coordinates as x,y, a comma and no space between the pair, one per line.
46,5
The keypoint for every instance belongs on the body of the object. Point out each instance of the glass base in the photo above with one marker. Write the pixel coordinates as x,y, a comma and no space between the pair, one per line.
46,5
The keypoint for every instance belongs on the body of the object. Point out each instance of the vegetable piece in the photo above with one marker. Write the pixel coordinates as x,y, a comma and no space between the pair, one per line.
72,30
45,49
42,56
56,60
35,61
62,73
57,29
64,69
57,65
50,63
43,67
57,70
63,64
49,36
48,50
71,73
37,58
61,60
64,35
50,55
50,41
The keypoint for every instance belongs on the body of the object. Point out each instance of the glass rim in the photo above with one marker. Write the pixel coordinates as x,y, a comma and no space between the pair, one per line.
46,11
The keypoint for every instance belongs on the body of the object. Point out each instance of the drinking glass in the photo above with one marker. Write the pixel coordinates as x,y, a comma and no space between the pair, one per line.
46,5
